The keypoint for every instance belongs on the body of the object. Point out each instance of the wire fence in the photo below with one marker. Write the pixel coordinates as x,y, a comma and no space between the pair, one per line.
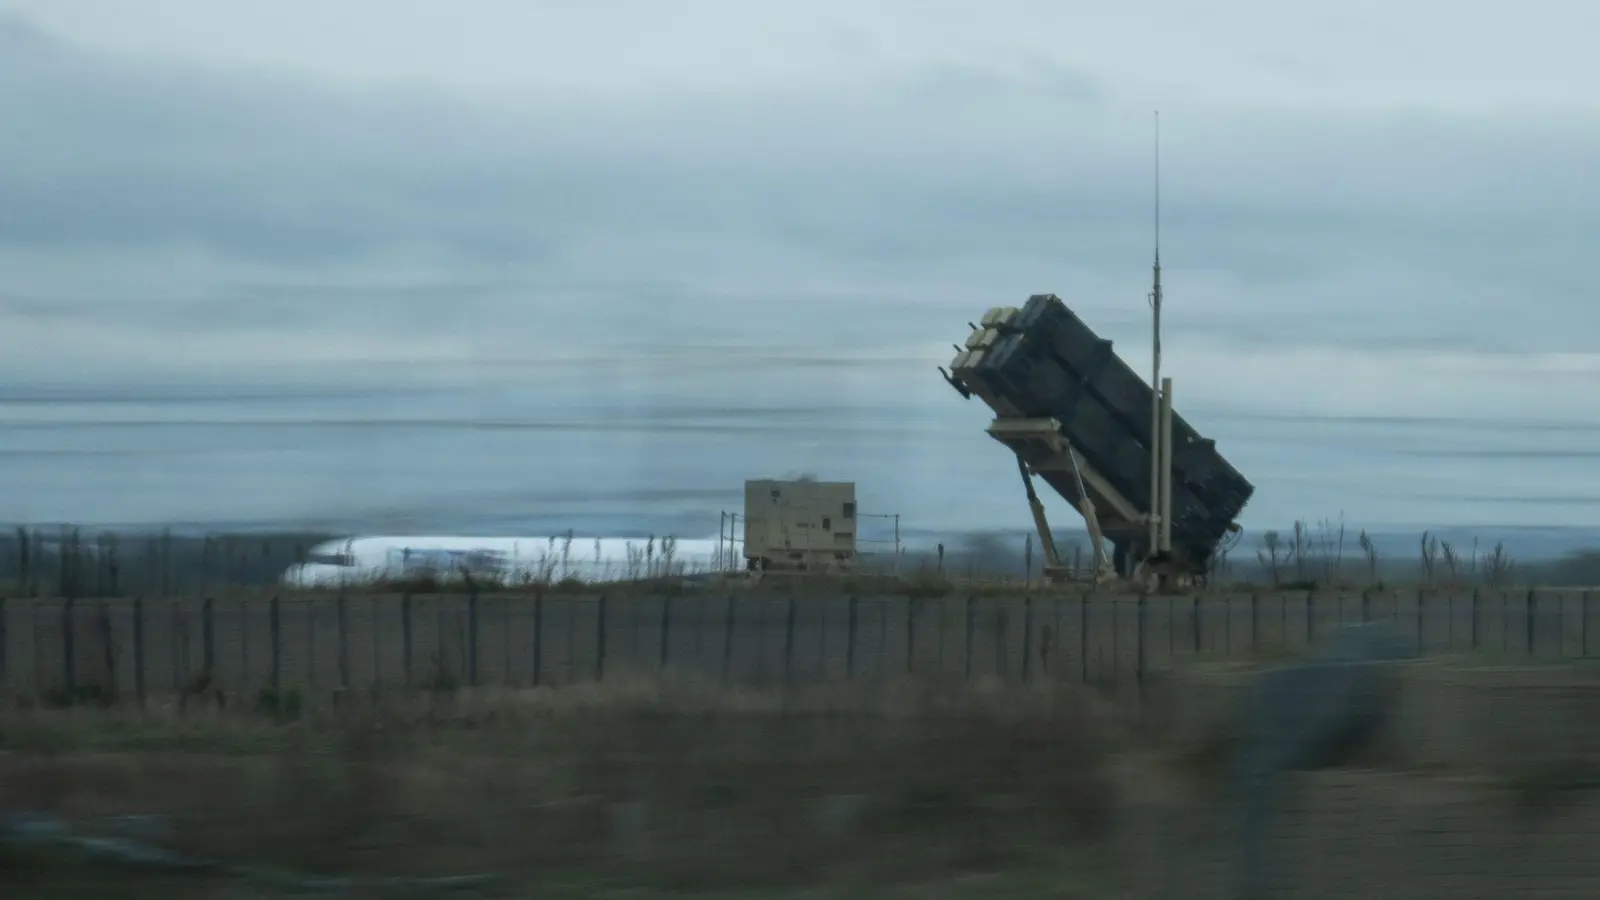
140,646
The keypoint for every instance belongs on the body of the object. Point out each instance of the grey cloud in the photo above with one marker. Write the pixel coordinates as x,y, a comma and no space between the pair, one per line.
948,189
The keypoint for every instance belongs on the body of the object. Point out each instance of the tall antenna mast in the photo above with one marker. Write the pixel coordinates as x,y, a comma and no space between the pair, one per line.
1155,355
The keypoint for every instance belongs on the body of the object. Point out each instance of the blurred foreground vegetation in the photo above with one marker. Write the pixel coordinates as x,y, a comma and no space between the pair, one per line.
644,789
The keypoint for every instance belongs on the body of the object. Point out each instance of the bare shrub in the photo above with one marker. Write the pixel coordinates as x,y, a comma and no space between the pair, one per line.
1370,551
1300,549
1497,566
1429,548
1452,561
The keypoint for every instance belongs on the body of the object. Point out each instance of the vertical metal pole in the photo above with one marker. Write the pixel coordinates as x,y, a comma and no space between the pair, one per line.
1154,506
1155,362
1166,464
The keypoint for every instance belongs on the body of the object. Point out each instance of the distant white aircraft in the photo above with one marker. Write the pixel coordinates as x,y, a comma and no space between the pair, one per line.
507,560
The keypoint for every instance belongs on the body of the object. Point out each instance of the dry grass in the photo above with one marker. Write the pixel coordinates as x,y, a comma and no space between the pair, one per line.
675,785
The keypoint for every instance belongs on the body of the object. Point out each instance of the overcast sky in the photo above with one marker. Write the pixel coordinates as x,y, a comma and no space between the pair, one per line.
1369,208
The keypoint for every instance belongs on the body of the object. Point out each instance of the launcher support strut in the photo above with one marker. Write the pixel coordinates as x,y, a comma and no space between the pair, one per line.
1047,542
1091,517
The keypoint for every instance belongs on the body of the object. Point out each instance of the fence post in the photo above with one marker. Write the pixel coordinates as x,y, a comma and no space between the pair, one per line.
378,603
883,639
1422,599
1255,623
699,620
911,635
208,638
5,670
1116,645
822,638
727,640
1172,628
39,676
69,641
971,614
311,643
1138,659
1050,661
788,641
1195,624
472,635
850,640
1531,607
572,637
1083,638
341,613
1002,622
666,628
761,638
1505,622
107,657
1311,617
941,613
1561,626
1583,631
244,647
600,640
178,634
274,634
1027,639
1450,622
1474,635
538,635
138,648
406,647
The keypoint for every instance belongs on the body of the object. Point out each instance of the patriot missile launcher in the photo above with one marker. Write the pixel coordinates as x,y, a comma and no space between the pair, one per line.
1076,416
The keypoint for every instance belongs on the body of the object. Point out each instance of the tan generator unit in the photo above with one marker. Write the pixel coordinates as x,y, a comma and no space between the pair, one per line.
800,525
